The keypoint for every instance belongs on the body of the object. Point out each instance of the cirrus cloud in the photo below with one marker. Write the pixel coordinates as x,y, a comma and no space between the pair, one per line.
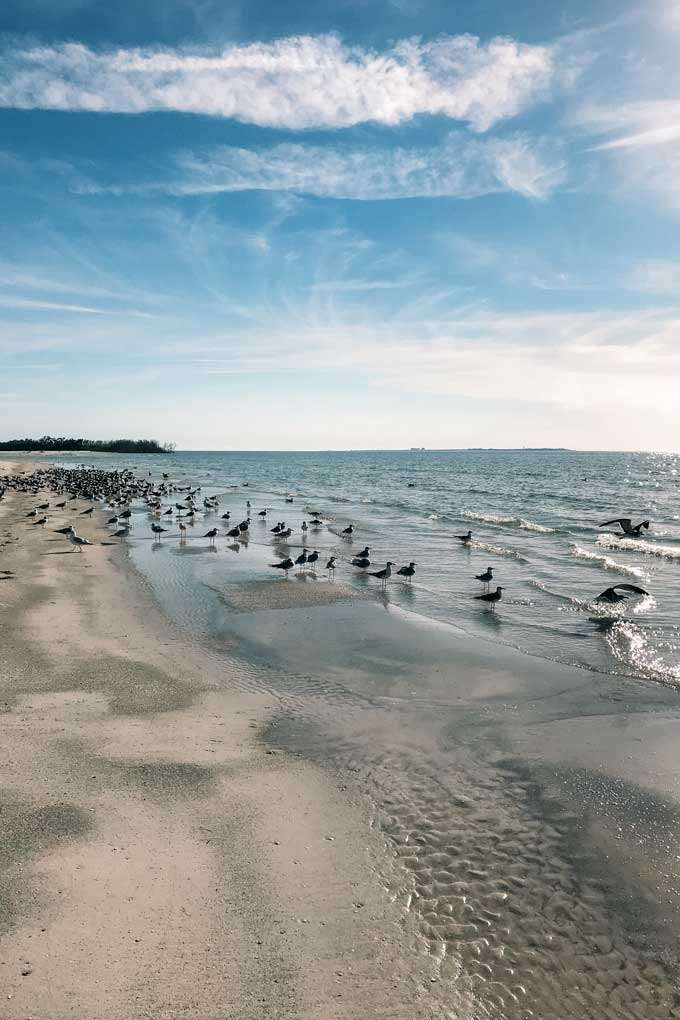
295,83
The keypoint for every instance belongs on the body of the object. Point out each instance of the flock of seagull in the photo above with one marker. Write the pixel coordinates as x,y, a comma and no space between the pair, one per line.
117,489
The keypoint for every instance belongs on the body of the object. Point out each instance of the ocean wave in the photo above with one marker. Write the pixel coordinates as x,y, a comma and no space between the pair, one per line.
606,563
499,550
665,552
631,645
508,522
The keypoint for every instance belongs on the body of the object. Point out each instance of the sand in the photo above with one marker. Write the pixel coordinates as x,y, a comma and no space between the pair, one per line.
158,858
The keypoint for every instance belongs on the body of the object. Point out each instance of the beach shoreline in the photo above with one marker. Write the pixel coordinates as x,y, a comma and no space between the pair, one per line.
159,859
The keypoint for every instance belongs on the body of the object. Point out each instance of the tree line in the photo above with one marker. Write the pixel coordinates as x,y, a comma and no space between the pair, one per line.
54,443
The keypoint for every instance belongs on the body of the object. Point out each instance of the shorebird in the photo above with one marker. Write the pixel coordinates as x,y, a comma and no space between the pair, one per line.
225,517
121,533
244,525
86,513
348,530
301,559
492,597
384,575
44,506
60,506
41,520
362,562
284,565
330,566
289,499
303,526
32,513
627,526
465,539
77,541
486,578
262,513
286,533
158,531
619,593
212,535
234,533
112,520
182,532
64,531
364,554
408,571
278,528
312,558
316,523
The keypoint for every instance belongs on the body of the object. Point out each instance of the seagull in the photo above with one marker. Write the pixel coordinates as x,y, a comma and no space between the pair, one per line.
44,506
278,528
383,575
41,520
234,533
301,559
158,531
262,513
64,531
112,520
225,517
465,539
364,554
77,541
303,526
408,571
312,558
361,561
121,533
627,526
284,565
244,525
491,596
285,534
212,535
32,513
289,499
348,530
330,566
612,595
182,532
486,577
84,513
60,506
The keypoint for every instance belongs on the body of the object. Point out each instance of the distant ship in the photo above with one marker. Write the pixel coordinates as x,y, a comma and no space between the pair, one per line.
417,449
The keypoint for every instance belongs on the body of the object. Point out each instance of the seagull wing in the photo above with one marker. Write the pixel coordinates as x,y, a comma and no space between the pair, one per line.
629,587
623,521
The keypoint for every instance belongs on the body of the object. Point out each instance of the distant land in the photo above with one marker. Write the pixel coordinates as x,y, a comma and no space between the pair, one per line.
52,444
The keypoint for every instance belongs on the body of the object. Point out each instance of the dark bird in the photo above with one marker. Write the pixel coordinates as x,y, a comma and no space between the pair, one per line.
225,517
627,526
619,593
408,571
32,513
158,531
491,596
182,532
348,530
364,554
121,533
465,539
44,506
284,565
486,577
125,514
212,535
278,528
301,559
64,531
262,513
168,513
384,575
362,562
60,506
330,566
234,533
112,520
289,499
286,533
316,523
312,558
85,513
42,521
244,525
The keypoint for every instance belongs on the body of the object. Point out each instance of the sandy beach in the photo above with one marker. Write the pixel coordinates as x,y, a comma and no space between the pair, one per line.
158,858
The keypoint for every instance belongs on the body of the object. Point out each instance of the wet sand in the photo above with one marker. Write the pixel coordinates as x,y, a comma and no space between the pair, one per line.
158,858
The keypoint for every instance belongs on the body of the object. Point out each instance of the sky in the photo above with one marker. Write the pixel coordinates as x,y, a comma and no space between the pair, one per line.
243,224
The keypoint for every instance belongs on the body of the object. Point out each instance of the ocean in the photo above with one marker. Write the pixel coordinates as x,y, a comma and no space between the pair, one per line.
534,515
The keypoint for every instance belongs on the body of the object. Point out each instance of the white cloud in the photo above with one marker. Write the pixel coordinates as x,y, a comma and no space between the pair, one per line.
656,276
461,167
299,82
634,125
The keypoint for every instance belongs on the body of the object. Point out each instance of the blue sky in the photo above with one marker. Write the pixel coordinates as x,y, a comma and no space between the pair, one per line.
374,223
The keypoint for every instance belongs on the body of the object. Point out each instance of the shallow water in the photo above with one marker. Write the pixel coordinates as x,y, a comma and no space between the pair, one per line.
534,517
530,809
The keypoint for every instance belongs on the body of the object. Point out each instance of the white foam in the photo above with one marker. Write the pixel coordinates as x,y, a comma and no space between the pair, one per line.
606,562
508,522
637,545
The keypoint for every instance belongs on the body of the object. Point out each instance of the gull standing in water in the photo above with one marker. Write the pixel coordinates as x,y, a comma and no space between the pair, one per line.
284,565
122,533
348,530
212,535
312,558
465,539
486,578
158,531
384,575
330,566
492,597
301,559
408,571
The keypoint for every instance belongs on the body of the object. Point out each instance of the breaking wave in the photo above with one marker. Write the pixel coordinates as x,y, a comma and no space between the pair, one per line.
637,545
508,522
606,563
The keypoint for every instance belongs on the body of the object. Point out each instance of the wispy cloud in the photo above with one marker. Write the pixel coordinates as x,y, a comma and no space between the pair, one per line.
460,167
655,276
633,125
29,304
296,83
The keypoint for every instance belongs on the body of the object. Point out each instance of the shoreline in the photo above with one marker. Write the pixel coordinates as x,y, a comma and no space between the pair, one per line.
160,859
